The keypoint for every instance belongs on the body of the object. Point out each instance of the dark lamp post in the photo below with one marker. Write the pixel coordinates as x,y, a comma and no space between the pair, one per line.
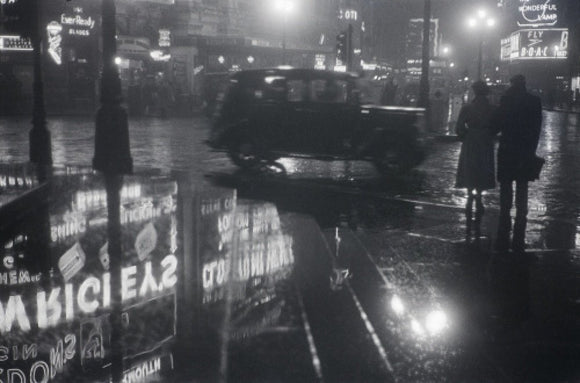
113,159
40,145
481,23
425,58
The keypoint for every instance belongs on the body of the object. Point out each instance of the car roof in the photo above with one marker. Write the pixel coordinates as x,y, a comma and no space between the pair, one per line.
250,74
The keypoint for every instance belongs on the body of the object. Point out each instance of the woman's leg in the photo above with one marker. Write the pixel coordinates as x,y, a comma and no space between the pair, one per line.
479,209
469,210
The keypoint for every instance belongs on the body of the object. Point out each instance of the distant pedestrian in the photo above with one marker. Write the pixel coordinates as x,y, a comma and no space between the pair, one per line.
389,92
519,120
475,170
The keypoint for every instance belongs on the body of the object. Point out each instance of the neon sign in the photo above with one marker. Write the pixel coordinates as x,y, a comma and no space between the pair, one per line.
348,14
54,41
536,44
536,13
78,25
15,43
54,305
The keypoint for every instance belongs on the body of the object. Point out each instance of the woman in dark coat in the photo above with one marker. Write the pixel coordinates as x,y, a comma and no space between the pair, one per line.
476,170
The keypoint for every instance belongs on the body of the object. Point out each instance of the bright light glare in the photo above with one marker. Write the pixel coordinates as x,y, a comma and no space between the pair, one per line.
490,22
118,60
436,322
416,327
481,13
451,65
471,22
397,305
284,6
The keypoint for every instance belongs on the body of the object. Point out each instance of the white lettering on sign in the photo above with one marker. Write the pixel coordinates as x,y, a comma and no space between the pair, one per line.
347,14
537,13
13,311
18,277
40,371
14,43
77,20
90,295
142,371
264,258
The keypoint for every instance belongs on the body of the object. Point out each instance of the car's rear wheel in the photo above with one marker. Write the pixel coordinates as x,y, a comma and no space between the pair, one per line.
394,162
244,153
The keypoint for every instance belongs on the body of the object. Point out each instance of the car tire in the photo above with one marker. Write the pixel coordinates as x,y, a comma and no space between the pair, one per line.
243,153
391,162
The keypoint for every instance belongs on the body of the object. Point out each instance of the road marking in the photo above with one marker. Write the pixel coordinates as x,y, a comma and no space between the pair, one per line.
311,345
369,326
370,329
387,283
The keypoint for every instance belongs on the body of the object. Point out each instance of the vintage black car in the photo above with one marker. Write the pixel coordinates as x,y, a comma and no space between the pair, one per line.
271,113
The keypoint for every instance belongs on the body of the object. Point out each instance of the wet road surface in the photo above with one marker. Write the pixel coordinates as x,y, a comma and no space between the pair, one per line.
338,275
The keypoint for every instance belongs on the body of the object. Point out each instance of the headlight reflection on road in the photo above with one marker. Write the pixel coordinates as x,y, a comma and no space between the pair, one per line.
417,328
436,322
397,305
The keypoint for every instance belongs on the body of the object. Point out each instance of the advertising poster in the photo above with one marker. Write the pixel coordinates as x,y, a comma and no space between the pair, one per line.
57,329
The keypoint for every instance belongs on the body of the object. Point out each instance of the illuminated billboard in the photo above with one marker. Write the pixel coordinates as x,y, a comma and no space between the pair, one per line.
536,44
537,13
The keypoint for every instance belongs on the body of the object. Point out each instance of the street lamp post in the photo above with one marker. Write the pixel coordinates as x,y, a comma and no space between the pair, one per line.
113,159
40,147
481,22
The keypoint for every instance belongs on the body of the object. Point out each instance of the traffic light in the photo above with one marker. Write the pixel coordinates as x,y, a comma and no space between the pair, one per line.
19,17
342,46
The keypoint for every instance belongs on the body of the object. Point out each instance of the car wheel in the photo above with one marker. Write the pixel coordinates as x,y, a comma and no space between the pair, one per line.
387,162
243,153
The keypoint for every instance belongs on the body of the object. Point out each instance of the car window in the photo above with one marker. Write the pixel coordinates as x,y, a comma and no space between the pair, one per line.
329,91
274,88
296,90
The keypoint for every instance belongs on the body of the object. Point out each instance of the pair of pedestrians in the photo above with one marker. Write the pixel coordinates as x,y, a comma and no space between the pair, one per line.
518,120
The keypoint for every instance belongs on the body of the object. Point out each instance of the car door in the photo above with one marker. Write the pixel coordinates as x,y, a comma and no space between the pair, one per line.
269,113
299,115
333,115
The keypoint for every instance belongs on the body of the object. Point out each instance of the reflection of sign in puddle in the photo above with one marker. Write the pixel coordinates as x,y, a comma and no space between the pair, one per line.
253,251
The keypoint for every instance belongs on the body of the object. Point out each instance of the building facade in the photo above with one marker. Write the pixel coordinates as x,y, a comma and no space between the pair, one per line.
175,49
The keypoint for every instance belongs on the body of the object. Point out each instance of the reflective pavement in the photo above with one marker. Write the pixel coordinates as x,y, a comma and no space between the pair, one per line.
324,272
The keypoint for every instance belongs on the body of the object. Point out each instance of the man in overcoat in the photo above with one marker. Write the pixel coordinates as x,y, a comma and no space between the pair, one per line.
519,120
